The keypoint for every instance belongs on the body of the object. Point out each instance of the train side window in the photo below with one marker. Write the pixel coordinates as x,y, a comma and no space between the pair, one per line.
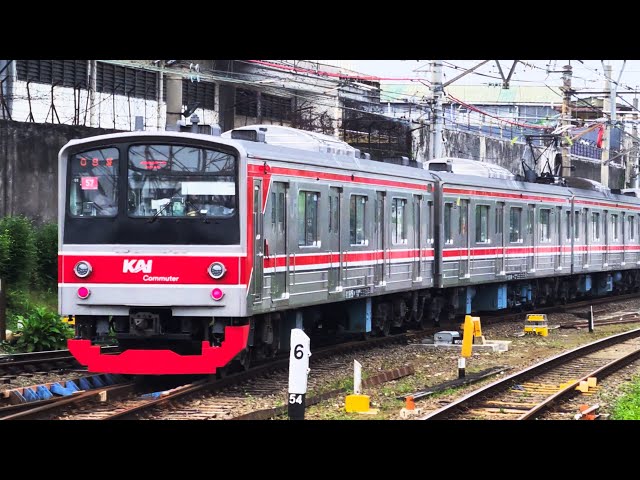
595,225
632,231
576,226
308,219
398,220
274,208
568,226
464,213
482,223
357,220
331,213
515,224
448,234
614,227
545,224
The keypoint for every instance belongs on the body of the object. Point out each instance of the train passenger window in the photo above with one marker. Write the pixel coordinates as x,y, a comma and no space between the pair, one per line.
448,234
632,232
357,220
595,225
545,225
464,213
515,224
273,208
568,226
614,227
398,208
308,219
576,226
482,223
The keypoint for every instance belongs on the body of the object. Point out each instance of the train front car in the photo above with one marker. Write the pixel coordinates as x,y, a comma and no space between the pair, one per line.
152,235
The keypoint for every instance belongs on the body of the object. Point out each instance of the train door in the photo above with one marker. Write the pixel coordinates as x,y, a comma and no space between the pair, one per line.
499,239
587,238
608,238
278,243
417,235
335,271
530,238
258,249
559,238
463,240
379,228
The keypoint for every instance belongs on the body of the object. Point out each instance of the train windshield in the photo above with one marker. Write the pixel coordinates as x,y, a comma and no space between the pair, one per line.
180,181
94,183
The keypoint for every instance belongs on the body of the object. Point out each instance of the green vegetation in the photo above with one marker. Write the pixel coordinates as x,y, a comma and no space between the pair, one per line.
42,330
29,270
627,407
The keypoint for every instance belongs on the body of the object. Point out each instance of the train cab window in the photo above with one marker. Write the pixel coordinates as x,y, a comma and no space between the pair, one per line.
482,223
632,231
181,181
595,225
357,206
614,227
398,221
576,226
448,234
515,224
545,225
308,219
93,189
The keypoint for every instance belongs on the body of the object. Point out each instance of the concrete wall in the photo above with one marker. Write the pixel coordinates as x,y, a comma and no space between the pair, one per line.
29,166
504,153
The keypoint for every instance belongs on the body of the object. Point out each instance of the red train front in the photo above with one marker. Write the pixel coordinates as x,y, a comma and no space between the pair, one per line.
153,251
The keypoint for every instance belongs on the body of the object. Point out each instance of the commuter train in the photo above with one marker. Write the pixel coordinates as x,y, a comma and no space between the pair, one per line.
196,250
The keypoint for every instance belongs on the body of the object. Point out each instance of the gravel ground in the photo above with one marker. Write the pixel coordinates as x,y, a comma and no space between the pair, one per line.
433,366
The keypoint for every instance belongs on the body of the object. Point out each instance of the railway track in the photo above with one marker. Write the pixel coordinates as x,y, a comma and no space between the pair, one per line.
204,399
531,392
17,364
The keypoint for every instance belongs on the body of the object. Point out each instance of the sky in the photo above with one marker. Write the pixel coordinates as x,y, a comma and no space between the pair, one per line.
587,74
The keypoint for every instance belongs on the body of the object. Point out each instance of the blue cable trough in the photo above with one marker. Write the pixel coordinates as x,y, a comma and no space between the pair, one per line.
47,391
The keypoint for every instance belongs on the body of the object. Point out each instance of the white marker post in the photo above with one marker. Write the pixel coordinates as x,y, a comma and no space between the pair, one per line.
298,371
357,377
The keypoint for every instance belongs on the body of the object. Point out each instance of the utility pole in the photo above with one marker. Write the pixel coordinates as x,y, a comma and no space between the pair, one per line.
606,105
174,101
437,122
634,180
566,119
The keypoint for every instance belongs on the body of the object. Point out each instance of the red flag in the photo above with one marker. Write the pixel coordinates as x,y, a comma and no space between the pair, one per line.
600,135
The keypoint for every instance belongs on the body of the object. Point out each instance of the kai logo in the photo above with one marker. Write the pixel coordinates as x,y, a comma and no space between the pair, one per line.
136,266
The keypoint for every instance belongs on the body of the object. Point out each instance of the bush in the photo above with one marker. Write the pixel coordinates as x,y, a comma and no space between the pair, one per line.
19,250
46,245
42,330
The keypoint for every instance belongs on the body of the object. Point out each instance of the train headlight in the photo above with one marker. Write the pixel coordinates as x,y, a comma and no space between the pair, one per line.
217,294
83,293
82,269
217,270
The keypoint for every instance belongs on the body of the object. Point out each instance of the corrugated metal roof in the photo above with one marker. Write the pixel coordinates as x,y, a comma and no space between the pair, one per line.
476,94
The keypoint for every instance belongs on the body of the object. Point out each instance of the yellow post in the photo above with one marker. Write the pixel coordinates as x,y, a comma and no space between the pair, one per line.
467,336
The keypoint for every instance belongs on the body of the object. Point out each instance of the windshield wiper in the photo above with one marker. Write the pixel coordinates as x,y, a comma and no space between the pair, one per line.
162,209
196,209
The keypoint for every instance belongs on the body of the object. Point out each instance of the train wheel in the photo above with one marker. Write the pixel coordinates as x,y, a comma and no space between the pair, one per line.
222,372
244,359
385,329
